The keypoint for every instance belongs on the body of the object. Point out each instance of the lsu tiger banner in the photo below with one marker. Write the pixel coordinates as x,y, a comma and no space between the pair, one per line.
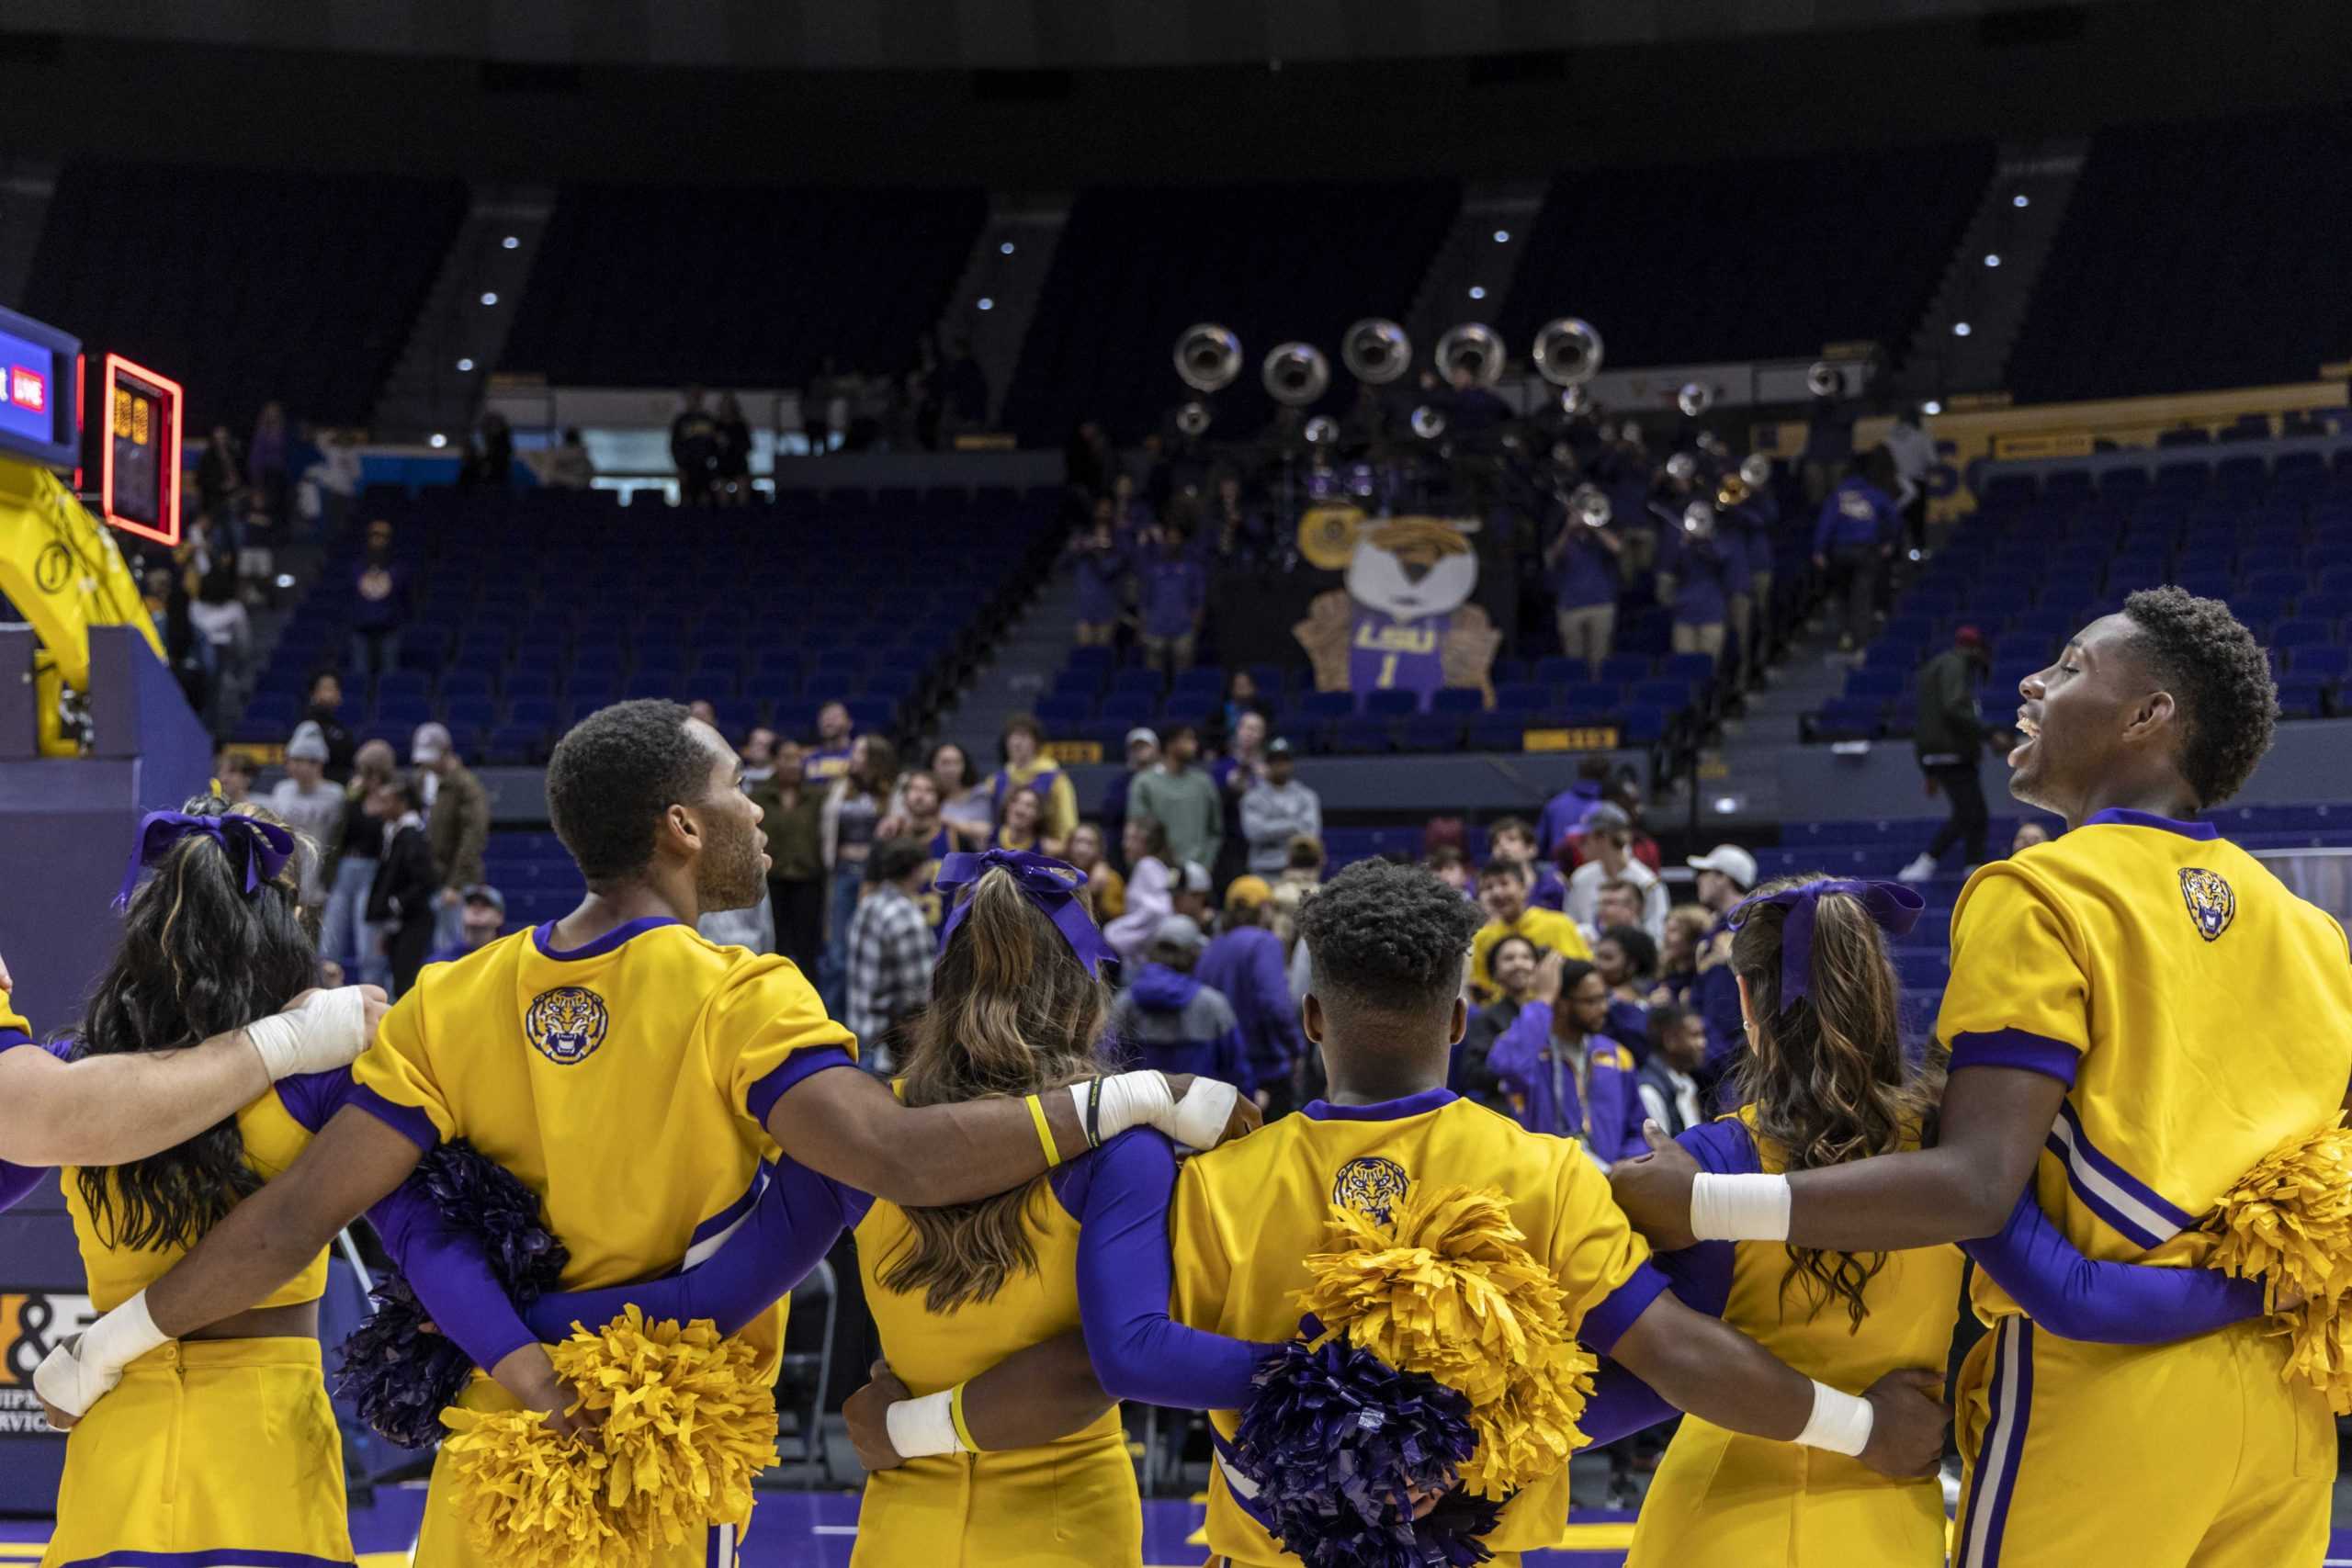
60,568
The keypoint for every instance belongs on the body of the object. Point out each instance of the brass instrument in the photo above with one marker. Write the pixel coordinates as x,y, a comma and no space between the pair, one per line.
1699,519
1208,358
1733,489
1573,400
1376,351
1567,352
1588,506
1322,430
1295,374
1472,346
1429,423
1694,399
1193,419
1823,380
1682,468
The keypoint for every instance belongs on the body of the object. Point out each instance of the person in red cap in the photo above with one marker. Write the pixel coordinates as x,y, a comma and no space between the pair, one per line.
1951,740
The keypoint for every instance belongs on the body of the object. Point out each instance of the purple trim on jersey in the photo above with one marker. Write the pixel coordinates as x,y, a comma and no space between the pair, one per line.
543,938
2004,1435
2124,818
11,1038
220,1557
2084,1160
1607,1321
406,1120
1386,1111
313,1098
2016,1048
734,1212
802,1065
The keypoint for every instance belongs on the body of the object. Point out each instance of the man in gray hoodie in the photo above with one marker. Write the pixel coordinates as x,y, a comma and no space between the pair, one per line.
1166,1018
1278,809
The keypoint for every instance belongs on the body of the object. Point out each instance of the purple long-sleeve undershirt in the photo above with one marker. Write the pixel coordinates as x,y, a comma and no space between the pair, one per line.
15,1181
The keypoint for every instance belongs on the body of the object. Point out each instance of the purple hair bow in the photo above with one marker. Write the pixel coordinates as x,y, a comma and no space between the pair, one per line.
1892,905
266,846
1049,884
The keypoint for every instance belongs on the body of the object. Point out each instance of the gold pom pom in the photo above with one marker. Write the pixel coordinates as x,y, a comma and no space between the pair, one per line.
1447,1287
2288,1223
685,1426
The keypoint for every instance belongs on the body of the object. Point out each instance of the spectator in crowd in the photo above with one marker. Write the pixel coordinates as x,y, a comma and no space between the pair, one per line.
325,711
965,806
235,771
1564,1076
1678,955
1512,839
1450,866
759,755
383,605
312,807
1101,568
346,934
1621,903
1175,597
1698,571
490,455
2027,835
1626,960
1513,960
1234,532
1855,532
1949,738
568,466
1669,1080
400,901
1026,766
456,822
1278,811
1168,1019
792,812
1025,814
1564,814
1106,890
1913,451
828,760
1188,891
1502,889
220,472
1242,769
731,457
1726,874
1144,843
224,632
1183,800
917,814
1584,563
1246,964
1143,755
1240,699
701,708
694,449
854,807
484,922
267,469
1608,843
1624,792
890,947
1302,863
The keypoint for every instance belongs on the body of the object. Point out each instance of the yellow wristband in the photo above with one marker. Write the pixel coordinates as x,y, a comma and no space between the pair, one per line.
955,1416
1044,1131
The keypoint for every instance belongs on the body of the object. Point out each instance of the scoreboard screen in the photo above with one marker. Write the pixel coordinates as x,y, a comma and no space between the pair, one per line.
38,416
141,451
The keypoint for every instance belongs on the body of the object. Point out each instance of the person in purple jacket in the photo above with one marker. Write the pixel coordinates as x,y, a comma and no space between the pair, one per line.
1584,563
1854,536
1565,1076
1699,570
1175,596
1244,961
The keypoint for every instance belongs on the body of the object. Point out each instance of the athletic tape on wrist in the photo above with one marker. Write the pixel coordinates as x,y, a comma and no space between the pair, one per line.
1739,1208
1840,1422
921,1428
326,1033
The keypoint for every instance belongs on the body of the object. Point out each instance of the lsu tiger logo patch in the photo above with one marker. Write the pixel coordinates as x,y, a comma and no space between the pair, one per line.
567,1024
2211,902
1370,1186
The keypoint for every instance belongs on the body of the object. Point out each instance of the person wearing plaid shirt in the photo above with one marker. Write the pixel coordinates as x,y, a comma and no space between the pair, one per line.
890,950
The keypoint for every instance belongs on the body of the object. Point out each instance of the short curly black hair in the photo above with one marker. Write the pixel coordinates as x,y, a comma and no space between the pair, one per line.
613,776
1388,937
2220,678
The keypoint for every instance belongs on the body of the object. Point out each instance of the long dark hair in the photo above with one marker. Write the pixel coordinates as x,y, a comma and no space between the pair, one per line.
1828,1077
197,958
1012,1012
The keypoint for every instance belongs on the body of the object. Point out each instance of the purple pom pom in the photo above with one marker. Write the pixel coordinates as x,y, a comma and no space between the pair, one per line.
401,1378
1338,1442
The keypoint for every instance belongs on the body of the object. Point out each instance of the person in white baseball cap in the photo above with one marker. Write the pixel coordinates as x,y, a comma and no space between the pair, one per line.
1733,873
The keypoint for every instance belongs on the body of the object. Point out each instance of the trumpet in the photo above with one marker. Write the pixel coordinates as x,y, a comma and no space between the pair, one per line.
1376,351
1193,419
1756,469
1208,358
1429,423
1589,506
1322,430
1567,352
1573,400
1472,346
1681,468
1694,399
1295,374
1699,519
1823,380
1733,489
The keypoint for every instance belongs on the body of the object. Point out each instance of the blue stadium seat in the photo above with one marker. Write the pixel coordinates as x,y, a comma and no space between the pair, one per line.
1391,704
1362,734
1457,700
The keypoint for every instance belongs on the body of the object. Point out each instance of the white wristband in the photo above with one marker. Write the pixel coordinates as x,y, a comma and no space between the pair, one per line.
1841,1424
1128,1100
1739,1208
327,1031
75,1379
921,1428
